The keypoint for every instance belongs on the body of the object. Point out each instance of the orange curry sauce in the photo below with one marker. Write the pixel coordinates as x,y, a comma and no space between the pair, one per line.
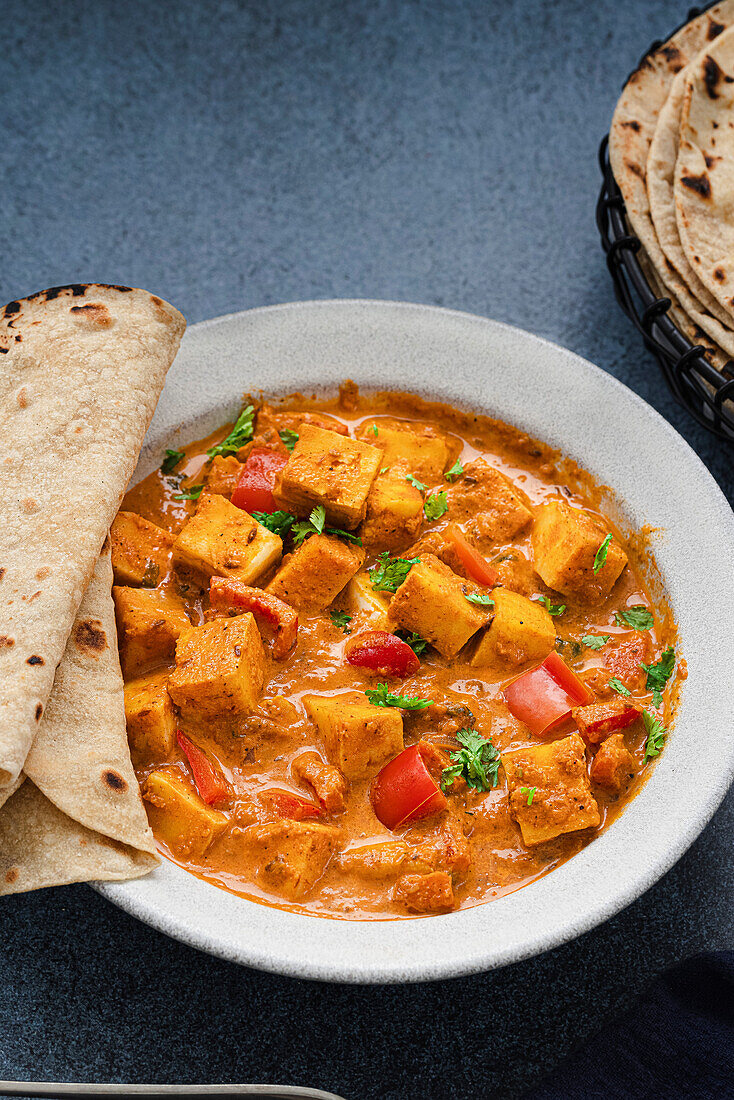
256,752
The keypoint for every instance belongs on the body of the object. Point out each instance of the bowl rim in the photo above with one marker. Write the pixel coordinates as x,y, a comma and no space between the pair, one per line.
532,919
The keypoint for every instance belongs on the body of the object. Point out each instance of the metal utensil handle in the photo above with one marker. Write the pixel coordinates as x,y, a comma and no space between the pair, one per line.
66,1090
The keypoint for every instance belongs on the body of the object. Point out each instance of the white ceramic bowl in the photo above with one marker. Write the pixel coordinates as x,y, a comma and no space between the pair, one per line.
564,400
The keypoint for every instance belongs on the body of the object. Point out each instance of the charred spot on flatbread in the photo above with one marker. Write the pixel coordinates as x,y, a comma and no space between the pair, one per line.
11,875
114,780
701,185
714,30
6,642
94,312
89,637
633,167
719,274
712,74
632,124
39,712
34,659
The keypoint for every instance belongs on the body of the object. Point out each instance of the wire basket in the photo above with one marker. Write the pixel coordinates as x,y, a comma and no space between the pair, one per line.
694,382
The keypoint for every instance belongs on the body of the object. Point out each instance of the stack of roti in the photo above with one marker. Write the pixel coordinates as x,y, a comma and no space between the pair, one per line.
672,153
81,371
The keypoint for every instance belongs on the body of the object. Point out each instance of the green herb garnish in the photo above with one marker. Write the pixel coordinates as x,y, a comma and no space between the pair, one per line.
373,429
314,525
595,641
381,696
656,734
171,461
416,643
414,481
551,608
530,792
389,573
384,469
483,599
638,617
277,522
435,505
242,433
288,438
617,685
456,471
601,554
341,619
659,674
477,762
348,536
193,493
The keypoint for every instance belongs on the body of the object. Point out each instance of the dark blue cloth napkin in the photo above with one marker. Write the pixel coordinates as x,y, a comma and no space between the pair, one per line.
677,1041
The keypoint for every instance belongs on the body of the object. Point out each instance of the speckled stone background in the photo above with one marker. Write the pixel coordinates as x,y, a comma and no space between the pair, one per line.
228,155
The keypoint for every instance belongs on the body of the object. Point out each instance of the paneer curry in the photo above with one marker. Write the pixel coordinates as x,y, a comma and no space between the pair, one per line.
382,658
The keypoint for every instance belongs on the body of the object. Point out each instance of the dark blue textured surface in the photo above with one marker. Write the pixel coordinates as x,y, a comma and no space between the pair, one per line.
230,155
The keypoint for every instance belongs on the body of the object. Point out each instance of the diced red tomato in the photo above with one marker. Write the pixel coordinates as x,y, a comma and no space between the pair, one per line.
545,696
476,566
228,594
382,653
291,806
597,721
254,491
404,790
210,783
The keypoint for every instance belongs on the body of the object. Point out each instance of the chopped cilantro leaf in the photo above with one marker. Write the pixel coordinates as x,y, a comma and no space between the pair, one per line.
277,522
381,696
389,573
551,608
656,734
601,554
618,686
373,429
414,481
456,471
314,525
595,641
192,493
242,433
659,674
435,505
483,599
171,461
529,792
477,762
638,617
288,438
416,643
384,469
341,619
346,535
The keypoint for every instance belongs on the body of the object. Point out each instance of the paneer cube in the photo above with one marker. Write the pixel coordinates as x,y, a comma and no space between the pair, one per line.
358,737
151,723
521,630
613,766
141,551
361,599
394,513
418,449
549,789
224,541
220,669
149,622
178,816
495,510
565,543
432,601
330,469
313,575
291,855
222,475
432,893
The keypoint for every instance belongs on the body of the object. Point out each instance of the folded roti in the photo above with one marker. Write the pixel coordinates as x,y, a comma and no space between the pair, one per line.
81,370
79,815
704,171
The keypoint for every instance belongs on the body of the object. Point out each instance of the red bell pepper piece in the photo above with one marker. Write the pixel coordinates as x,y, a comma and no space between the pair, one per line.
227,594
545,696
254,490
291,806
597,721
476,566
382,653
405,790
210,782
